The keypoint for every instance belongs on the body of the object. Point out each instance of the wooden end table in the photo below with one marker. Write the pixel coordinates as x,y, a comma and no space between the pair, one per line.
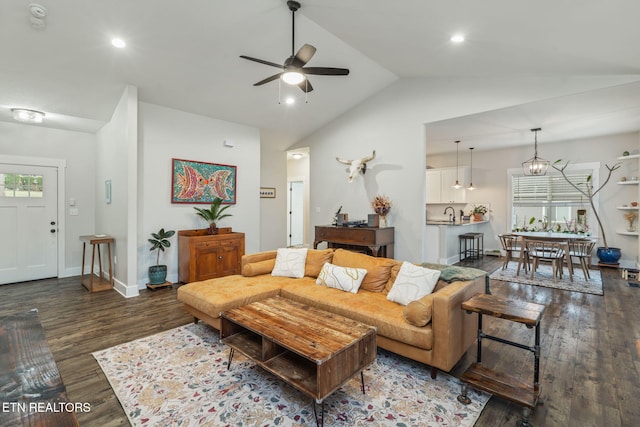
311,349
97,283
498,383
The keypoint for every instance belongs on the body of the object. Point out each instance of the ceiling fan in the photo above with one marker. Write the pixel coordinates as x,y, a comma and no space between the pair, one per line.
293,70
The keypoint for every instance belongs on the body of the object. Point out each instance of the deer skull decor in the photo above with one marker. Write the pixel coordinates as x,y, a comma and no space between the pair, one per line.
357,165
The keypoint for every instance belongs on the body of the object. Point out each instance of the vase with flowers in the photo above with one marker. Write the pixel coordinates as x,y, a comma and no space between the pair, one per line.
631,218
382,206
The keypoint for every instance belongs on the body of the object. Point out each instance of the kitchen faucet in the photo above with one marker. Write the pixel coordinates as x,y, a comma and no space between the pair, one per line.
452,215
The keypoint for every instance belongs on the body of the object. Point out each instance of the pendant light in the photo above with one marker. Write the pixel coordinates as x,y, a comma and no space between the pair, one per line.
457,184
471,187
535,165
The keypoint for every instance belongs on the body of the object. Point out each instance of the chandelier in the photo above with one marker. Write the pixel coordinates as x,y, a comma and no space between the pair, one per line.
535,165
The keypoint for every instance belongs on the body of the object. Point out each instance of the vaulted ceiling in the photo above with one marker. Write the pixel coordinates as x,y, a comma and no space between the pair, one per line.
185,54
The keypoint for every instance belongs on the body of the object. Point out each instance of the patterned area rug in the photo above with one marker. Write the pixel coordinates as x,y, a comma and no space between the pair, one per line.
180,377
544,277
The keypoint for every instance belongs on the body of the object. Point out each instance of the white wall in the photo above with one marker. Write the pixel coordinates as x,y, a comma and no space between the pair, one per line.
392,123
490,178
116,160
273,212
78,150
164,134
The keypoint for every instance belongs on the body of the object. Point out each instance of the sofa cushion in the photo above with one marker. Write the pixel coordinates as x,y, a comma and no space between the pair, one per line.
371,308
378,269
418,312
344,278
315,260
214,296
257,268
290,262
412,283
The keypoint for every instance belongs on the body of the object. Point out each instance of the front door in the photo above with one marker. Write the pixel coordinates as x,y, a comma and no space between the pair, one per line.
28,222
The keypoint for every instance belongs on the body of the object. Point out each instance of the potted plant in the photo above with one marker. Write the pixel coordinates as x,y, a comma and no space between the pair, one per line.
214,214
478,212
160,241
606,254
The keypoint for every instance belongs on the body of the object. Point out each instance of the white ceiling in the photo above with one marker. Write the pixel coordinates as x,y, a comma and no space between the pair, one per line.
185,55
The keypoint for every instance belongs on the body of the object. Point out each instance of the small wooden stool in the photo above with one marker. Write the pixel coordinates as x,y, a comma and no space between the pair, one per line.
96,283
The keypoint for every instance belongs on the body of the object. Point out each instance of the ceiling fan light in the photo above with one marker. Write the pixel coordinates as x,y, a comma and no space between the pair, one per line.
28,116
292,77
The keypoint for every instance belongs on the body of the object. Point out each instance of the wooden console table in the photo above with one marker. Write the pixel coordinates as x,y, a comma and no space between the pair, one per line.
95,283
374,241
498,383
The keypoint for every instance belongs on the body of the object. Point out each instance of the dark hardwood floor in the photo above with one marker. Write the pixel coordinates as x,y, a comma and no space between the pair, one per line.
590,346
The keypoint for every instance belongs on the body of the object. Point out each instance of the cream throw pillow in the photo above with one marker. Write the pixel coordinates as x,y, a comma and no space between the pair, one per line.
346,279
290,262
413,282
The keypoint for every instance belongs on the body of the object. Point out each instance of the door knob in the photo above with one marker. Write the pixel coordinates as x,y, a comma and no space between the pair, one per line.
53,223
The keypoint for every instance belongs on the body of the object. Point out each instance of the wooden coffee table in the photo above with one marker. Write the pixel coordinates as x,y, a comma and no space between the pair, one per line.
311,349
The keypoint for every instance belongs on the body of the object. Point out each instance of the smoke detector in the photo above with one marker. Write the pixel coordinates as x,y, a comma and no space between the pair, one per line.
38,13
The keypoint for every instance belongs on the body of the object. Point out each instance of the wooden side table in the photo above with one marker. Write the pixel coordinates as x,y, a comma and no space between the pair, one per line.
498,383
95,283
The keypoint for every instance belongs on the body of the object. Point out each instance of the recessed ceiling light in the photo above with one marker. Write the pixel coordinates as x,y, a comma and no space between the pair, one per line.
290,100
297,156
118,42
28,116
457,38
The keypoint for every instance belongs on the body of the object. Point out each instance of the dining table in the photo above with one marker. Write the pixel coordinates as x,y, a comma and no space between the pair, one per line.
562,238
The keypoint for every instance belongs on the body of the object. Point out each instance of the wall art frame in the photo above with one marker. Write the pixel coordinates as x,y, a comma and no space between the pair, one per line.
267,192
195,182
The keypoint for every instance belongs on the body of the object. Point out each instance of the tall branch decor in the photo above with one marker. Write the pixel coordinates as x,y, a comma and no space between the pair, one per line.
588,191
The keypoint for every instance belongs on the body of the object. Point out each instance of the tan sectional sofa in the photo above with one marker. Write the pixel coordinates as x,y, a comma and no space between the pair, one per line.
433,330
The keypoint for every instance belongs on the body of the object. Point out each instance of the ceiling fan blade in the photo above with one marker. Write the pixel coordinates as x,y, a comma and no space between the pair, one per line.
261,61
305,85
268,79
326,71
304,55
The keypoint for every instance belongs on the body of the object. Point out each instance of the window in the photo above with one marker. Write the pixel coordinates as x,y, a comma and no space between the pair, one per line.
19,185
550,203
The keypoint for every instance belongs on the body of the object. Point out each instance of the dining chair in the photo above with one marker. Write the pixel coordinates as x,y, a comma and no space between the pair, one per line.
582,249
544,250
515,250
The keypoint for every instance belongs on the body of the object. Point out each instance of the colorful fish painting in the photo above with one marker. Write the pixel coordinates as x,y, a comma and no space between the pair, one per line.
200,182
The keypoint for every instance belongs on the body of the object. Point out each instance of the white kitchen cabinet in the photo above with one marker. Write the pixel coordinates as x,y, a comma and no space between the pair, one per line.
440,185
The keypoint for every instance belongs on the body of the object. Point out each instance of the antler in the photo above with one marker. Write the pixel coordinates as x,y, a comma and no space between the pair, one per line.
346,162
371,157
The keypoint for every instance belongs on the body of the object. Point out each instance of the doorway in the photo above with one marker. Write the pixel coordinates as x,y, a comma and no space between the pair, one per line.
28,222
295,204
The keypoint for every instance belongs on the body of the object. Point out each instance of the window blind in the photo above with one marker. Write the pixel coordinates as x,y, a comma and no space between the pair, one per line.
548,189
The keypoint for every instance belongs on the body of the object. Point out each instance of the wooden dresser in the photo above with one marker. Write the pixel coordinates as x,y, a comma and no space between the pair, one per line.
203,256
370,240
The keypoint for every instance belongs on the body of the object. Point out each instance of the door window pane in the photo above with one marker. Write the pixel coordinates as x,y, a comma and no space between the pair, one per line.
19,185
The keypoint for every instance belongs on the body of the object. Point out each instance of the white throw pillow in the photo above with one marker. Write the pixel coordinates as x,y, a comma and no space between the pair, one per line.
344,278
290,262
413,282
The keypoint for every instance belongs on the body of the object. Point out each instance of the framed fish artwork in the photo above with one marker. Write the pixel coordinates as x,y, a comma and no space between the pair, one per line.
200,182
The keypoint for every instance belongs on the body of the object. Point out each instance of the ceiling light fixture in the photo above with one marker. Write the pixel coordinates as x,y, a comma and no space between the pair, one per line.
471,187
118,42
28,116
292,77
535,165
297,156
290,100
457,38
457,184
